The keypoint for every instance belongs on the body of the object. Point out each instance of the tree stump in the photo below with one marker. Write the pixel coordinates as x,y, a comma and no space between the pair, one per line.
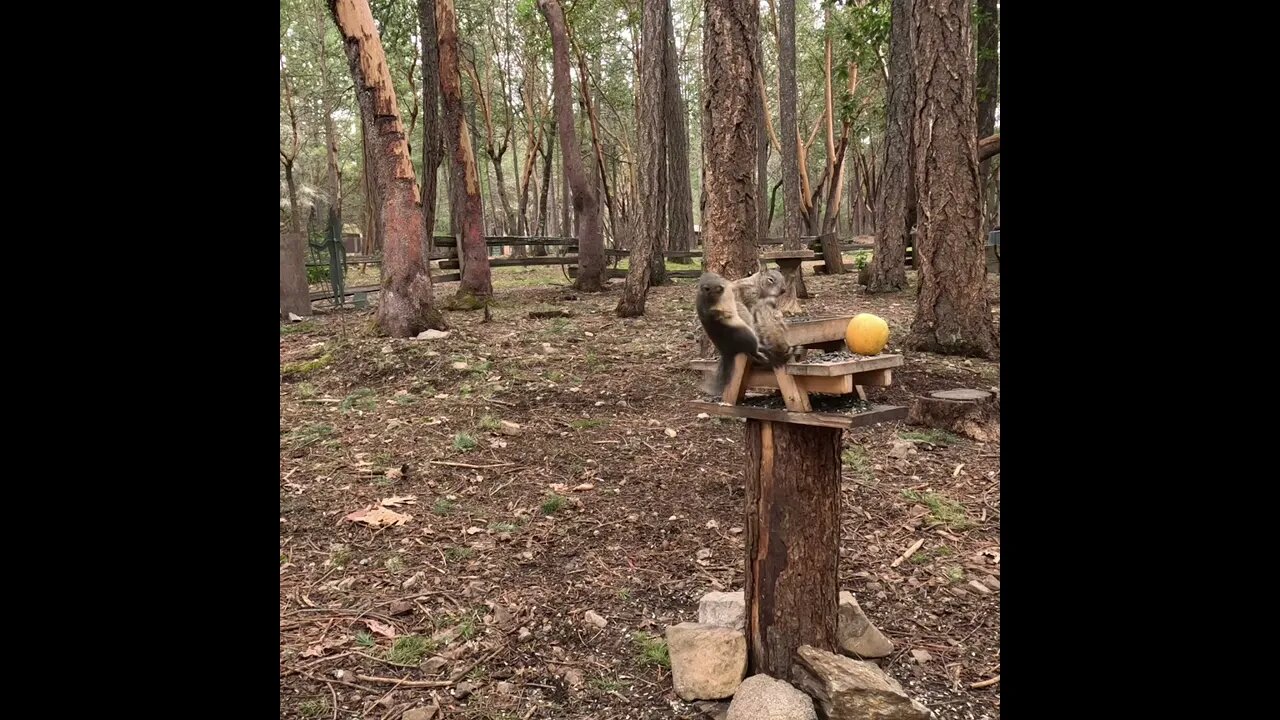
793,542
972,413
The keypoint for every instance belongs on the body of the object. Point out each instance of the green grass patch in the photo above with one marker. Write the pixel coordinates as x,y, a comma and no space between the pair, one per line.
942,509
553,503
936,437
652,651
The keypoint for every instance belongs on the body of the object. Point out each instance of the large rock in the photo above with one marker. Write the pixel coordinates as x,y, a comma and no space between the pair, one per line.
761,697
726,609
855,634
847,689
707,661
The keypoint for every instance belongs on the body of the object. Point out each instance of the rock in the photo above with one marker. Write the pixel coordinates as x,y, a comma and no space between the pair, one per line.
505,688
508,428
574,677
855,635
979,587
523,634
594,618
401,607
991,582
725,609
921,656
847,689
463,689
432,335
707,661
901,449
433,664
459,365
420,713
761,697
295,318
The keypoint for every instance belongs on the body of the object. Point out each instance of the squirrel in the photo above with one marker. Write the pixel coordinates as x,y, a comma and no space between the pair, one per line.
766,283
760,293
722,316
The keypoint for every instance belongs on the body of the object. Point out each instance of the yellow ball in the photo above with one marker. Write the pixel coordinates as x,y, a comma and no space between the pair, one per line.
867,334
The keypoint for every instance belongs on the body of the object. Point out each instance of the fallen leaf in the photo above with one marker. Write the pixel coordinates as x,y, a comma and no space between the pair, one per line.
398,500
380,628
585,486
378,517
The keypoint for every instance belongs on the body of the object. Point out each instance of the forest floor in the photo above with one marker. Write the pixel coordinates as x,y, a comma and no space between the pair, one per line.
611,496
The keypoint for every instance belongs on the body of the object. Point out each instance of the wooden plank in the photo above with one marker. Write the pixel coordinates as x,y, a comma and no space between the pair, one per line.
446,277
842,385
736,388
846,367
796,399
877,378
518,262
508,241
326,294
857,366
787,255
684,274
824,330
683,253
877,414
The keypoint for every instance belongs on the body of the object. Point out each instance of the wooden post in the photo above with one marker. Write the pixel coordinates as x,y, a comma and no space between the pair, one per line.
793,542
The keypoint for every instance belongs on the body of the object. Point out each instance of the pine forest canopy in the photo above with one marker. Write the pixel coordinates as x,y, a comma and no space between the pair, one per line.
506,56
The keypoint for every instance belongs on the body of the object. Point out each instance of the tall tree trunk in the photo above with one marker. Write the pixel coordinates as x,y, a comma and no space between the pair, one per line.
404,309
651,152
763,214
476,281
835,158
333,172
432,141
987,46
679,194
952,316
792,202
295,214
895,206
586,205
294,294
373,229
729,136
544,223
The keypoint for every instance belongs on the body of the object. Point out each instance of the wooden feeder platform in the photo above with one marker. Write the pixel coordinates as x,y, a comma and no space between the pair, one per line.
797,379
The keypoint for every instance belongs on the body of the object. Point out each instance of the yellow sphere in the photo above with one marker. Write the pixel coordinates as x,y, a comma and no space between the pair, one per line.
867,334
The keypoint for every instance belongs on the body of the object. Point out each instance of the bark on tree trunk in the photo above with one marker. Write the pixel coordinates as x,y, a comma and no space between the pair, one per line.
791,150
544,225
793,542
952,315
373,229
586,206
404,308
729,137
835,159
432,142
651,152
476,282
895,206
763,214
679,194
987,36
294,295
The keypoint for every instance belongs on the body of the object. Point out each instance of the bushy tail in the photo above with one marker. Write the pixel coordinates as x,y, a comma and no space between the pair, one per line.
723,371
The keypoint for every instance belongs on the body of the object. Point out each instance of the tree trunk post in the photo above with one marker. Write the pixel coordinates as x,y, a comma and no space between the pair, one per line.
793,542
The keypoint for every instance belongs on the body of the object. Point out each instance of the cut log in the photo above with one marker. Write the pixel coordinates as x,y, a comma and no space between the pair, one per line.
972,413
793,542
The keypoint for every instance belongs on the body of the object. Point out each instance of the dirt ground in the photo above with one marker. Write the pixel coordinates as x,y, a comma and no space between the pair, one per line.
610,497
